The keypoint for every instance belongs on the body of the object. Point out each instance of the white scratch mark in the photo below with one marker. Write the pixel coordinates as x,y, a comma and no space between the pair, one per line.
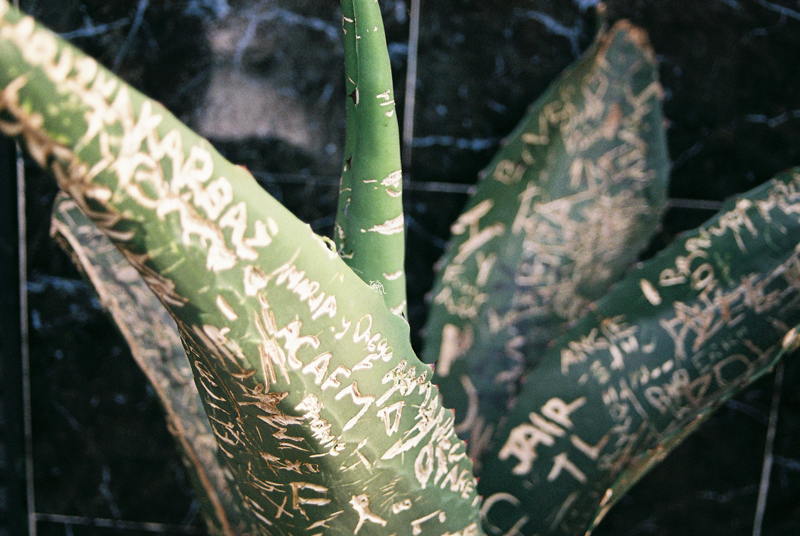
650,292
397,311
416,528
360,504
377,286
394,276
389,227
393,180
790,340
455,343
226,309
401,506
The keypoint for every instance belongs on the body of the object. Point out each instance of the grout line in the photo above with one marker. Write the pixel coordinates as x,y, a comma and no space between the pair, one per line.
294,178
443,187
411,84
769,448
784,11
696,204
330,180
788,463
451,187
146,526
27,410
137,23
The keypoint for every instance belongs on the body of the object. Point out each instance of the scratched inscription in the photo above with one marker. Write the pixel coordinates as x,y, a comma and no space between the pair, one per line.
673,341
325,420
560,214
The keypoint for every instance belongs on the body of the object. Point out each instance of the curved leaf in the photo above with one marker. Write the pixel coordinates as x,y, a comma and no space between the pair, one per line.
676,338
566,206
325,418
153,338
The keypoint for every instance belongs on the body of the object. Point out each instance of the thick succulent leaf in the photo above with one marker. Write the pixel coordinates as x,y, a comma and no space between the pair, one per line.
370,233
565,208
677,337
153,339
323,415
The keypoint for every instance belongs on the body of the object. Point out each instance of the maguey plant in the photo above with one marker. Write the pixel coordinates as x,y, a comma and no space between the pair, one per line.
283,358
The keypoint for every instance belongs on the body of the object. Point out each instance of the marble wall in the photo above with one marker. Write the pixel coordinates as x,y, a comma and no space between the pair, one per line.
263,80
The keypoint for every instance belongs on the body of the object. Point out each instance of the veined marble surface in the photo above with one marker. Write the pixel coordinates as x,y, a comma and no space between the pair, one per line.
263,80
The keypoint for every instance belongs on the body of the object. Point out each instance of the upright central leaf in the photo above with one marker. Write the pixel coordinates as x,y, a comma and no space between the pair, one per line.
370,234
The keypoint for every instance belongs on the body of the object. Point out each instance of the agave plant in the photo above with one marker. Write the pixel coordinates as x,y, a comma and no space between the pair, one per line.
570,376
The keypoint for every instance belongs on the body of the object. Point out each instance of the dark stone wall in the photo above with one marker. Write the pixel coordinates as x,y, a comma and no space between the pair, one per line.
263,80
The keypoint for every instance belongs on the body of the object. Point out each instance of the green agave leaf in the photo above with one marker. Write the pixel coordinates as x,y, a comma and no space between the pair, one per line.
565,207
370,233
323,416
676,338
156,346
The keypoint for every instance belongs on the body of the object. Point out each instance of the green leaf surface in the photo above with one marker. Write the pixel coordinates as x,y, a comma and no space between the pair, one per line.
676,338
370,231
565,207
156,347
324,417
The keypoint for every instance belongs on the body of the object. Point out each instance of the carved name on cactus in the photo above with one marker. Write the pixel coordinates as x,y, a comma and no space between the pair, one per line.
683,333
563,209
324,417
